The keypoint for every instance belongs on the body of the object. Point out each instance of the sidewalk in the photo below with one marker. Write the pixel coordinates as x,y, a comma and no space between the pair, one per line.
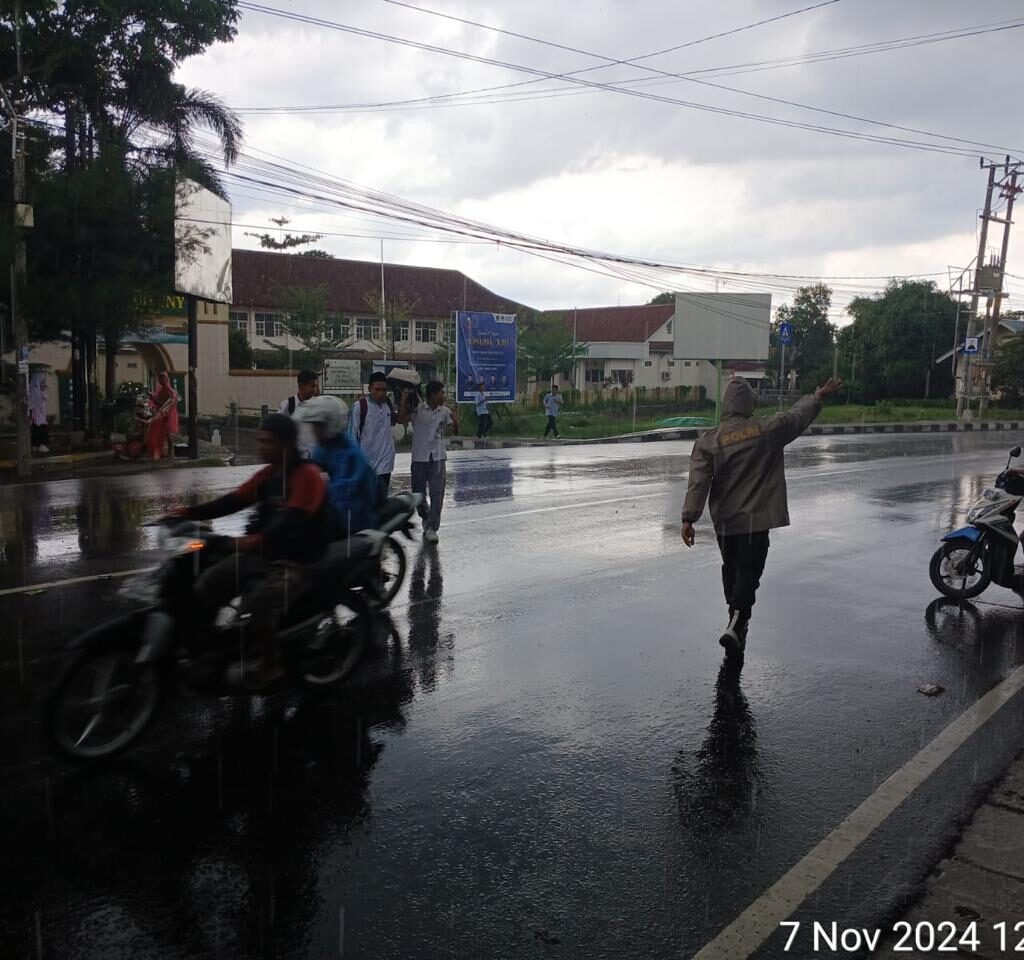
983,880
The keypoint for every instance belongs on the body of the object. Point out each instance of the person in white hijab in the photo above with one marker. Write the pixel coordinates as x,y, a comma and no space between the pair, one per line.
37,399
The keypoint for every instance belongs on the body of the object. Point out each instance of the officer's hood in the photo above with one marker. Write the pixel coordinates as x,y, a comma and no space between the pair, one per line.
739,399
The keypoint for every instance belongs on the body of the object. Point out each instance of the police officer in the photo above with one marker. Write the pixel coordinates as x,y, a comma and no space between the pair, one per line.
740,464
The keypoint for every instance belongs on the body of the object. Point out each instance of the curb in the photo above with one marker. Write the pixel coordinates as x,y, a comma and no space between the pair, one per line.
693,433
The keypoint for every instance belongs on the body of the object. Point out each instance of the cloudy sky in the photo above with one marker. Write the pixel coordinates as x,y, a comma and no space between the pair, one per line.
629,174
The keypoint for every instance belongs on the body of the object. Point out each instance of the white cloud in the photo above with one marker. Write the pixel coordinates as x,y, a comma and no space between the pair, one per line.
620,173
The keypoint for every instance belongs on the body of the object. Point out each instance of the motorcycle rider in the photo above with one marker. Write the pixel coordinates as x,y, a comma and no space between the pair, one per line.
740,464
351,481
292,526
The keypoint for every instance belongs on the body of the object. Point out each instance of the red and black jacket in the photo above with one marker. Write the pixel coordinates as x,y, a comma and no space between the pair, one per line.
293,514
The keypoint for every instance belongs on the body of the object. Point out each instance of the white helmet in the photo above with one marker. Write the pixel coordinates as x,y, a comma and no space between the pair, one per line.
330,411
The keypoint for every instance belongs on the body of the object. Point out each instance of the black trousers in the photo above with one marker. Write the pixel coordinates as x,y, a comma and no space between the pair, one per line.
483,426
743,559
552,426
383,487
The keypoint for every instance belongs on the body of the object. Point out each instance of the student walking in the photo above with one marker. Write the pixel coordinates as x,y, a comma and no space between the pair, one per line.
483,413
429,456
373,418
552,407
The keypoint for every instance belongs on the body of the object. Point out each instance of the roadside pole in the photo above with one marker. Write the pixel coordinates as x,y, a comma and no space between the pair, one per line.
193,390
718,393
22,219
782,371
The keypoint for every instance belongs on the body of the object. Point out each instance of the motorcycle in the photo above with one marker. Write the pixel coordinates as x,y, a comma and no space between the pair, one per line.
982,552
120,672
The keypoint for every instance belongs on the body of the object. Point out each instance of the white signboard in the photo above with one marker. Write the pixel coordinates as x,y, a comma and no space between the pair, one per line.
722,326
971,345
343,376
202,243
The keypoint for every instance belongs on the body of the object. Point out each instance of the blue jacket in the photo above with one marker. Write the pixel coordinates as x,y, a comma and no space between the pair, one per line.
351,484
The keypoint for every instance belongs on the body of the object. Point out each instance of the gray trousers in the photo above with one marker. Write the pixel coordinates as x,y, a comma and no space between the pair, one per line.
429,479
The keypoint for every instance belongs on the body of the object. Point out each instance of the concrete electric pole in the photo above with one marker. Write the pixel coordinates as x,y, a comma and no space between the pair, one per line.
988,283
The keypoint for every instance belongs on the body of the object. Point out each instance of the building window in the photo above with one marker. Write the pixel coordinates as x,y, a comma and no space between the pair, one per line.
206,307
215,309
268,325
132,366
595,375
337,328
426,331
239,319
449,332
668,329
671,363
648,363
686,363
401,329
427,372
696,363
367,328
623,377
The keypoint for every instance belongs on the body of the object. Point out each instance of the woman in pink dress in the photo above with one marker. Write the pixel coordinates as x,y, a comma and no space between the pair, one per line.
164,424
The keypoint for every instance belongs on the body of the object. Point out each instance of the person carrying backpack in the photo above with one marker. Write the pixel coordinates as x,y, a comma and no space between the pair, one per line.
351,483
307,387
371,428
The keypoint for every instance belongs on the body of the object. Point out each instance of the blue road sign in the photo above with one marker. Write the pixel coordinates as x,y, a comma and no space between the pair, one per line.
785,333
971,345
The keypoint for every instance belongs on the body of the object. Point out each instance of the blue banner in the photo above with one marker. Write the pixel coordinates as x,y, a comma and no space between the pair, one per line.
485,352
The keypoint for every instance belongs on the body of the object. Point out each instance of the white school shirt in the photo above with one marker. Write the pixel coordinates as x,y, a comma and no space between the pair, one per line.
551,404
306,440
428,432
375,436
481,403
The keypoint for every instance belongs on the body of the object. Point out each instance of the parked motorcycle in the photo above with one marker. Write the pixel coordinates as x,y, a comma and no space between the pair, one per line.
983,551
120,672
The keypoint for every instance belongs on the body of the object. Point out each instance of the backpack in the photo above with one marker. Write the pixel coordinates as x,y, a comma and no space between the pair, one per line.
364,407
291,405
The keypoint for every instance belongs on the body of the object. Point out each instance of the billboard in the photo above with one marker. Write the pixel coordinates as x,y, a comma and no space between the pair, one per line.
202,242
485,350
343,376
721,326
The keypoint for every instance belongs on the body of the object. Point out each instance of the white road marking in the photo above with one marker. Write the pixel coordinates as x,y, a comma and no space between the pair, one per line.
761,919
73,580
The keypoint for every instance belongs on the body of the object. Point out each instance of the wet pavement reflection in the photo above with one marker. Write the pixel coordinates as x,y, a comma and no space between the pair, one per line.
544,753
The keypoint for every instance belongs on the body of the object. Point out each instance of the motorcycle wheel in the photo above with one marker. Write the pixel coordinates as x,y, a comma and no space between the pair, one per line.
950,575
391,574
337,645
103,702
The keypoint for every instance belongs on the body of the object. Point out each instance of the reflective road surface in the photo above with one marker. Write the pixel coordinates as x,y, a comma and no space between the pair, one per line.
544,755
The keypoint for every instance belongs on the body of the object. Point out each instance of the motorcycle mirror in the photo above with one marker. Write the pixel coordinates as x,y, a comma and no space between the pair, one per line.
1015,452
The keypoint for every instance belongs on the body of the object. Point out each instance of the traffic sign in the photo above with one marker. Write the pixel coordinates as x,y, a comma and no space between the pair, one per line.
785,333
971,345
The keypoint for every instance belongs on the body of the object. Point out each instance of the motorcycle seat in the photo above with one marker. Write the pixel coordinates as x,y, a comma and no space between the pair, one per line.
338,559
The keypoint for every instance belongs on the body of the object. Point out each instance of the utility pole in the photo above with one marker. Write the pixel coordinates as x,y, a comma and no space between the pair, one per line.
988,280
1008,191
964,399
22,219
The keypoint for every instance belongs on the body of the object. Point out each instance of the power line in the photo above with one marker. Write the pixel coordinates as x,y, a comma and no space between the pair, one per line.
609,61
760,118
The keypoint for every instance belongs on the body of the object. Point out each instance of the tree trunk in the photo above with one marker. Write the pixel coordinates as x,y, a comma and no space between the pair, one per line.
112,343
93,395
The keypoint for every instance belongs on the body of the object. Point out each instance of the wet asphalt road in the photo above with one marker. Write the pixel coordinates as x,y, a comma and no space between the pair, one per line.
544,756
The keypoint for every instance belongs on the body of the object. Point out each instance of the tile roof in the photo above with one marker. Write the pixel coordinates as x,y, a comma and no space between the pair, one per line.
435,293
617,324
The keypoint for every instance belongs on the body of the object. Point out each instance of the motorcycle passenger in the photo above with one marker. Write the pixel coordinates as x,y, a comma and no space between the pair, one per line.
351,481
292,526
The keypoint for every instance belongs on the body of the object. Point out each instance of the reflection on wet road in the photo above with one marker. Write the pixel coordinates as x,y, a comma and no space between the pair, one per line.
544,755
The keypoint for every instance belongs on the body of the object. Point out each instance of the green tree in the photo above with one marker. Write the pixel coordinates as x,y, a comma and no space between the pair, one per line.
289,241
1008,372
663,298
308,319
811,349
895,337
393,310
546,346
240,355
318,254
